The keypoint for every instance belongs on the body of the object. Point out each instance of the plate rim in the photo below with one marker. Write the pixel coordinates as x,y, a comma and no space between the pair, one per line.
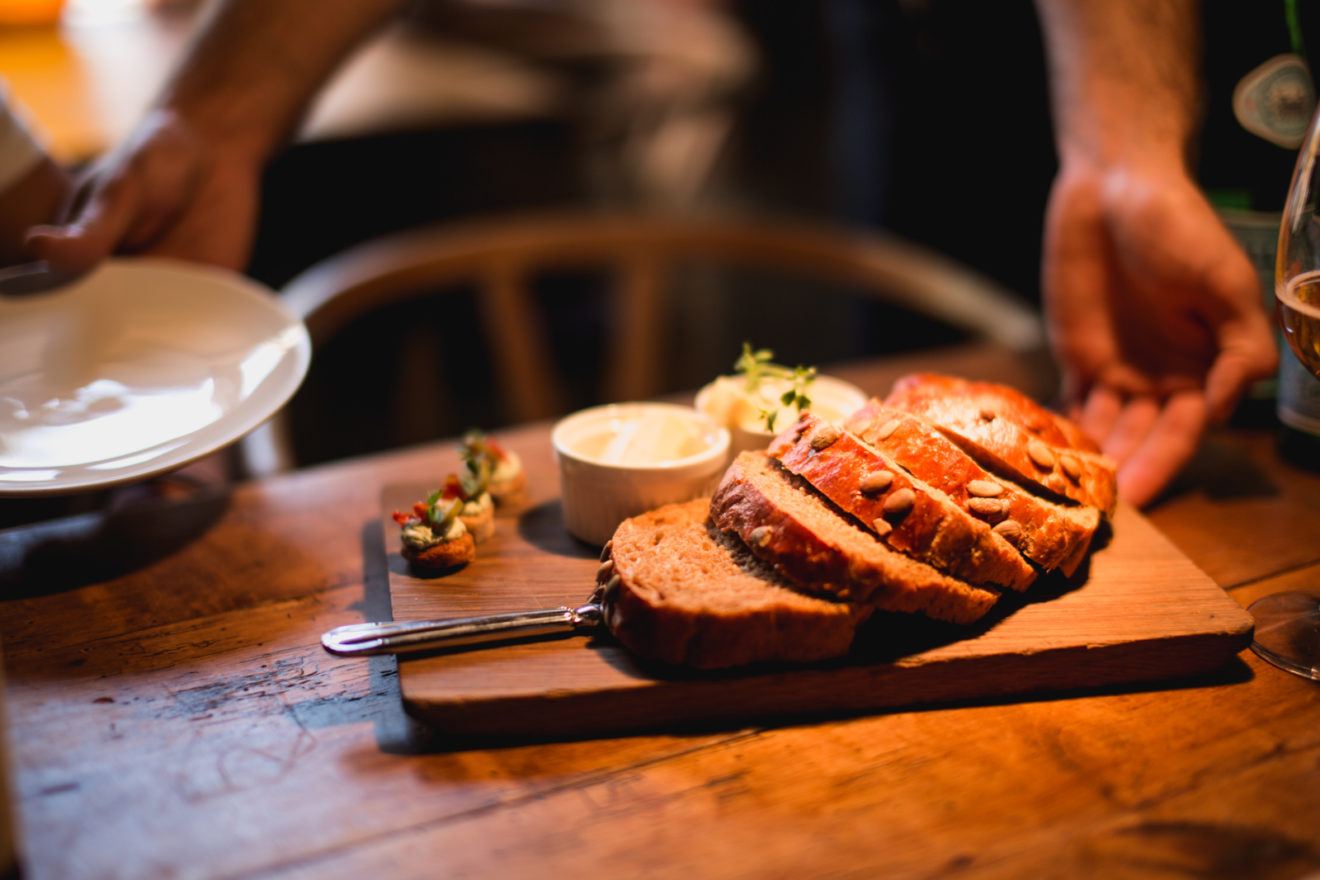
279,385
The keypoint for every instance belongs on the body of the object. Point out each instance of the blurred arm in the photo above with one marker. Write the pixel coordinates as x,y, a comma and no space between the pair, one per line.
1154,311
255,66
185,183
1124,79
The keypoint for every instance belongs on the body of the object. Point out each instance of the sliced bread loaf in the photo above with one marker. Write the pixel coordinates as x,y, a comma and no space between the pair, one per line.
906,513
678,590
789,525
994,430
1053,536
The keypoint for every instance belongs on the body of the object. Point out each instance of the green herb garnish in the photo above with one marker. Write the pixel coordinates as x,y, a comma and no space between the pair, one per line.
757,365
479,462
439,513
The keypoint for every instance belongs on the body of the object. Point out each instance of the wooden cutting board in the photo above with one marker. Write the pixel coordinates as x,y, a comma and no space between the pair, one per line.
1139,612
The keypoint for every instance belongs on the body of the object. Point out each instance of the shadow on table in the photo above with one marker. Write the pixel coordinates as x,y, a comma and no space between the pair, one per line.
1223,473
398,733
64,554
543,527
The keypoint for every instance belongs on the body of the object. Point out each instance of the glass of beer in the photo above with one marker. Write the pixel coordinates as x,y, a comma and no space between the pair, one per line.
1288,623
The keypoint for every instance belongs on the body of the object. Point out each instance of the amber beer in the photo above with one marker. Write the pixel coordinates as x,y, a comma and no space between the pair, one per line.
1298,306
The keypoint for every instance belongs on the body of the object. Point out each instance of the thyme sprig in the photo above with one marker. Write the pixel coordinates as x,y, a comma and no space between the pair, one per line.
757,365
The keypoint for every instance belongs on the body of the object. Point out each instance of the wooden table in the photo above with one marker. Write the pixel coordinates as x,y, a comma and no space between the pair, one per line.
173,715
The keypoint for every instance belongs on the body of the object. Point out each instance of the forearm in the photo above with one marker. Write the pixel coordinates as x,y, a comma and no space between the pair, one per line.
1124,79
255,66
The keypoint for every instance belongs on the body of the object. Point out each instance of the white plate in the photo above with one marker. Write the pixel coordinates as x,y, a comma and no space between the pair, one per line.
136,369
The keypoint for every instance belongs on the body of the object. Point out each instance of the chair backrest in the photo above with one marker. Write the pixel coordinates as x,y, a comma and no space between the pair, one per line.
501,257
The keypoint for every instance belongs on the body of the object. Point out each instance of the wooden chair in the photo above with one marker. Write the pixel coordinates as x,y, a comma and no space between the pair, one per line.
501,257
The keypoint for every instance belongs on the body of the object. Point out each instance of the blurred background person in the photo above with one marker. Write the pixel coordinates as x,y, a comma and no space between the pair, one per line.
266,154
625,103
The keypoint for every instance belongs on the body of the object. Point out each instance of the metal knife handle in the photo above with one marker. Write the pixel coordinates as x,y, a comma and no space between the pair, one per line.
398,637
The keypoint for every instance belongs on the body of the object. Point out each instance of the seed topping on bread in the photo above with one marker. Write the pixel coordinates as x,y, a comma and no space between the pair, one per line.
790,526
1052,535
876,482
922,521
1014,436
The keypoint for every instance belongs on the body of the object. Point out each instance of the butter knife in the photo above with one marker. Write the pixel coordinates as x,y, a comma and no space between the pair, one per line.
401,637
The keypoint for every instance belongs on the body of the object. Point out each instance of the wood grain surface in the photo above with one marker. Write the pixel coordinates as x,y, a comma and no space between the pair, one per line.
172,715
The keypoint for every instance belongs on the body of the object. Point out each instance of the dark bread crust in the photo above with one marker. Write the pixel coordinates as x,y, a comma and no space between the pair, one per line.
1053,536
926,526
679,591
991,429
788,525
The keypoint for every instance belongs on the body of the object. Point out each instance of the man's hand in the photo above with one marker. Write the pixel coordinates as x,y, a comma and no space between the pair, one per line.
166,192
1154,313
185,184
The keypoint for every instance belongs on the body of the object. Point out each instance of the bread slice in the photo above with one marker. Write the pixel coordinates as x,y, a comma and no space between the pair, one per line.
1053,536
680,591
1041,450
903,511
1005,400
1006,447
789,525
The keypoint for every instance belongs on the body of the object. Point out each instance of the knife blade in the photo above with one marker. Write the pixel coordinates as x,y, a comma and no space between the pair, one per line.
400,637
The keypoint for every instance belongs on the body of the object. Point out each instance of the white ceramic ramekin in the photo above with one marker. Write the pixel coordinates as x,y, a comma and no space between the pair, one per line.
597,495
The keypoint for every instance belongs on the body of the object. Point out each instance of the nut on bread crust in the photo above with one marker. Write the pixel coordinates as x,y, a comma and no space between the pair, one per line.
904,512
791,527
1053,536
1005,400
1022,441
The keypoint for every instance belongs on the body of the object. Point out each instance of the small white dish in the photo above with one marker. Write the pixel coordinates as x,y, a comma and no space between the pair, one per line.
135,369
724,401
622,459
